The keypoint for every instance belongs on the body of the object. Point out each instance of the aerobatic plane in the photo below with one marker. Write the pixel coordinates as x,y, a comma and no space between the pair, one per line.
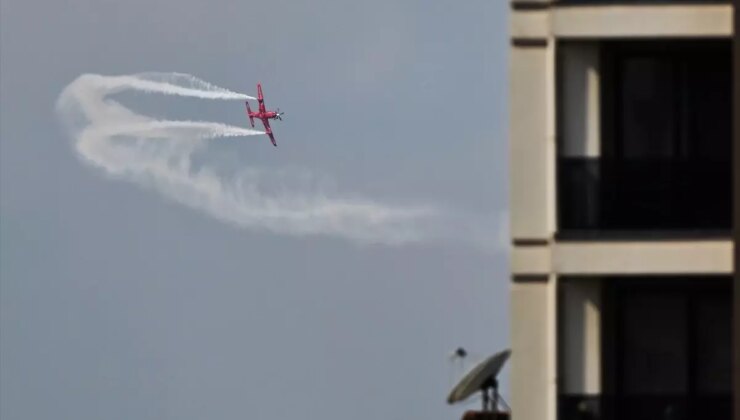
264,115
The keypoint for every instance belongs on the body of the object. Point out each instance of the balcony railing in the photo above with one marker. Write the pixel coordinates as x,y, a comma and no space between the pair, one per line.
645,407
602,196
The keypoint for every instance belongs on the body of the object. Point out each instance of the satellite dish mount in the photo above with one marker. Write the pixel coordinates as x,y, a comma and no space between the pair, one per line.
482,378
489,391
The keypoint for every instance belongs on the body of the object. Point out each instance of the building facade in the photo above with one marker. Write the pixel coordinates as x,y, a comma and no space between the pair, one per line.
621,157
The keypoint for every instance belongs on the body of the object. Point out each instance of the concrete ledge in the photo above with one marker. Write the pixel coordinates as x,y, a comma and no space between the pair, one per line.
640,21
530,260
530,24
668,257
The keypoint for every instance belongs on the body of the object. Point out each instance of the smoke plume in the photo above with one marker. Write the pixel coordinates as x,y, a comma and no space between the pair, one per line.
159,154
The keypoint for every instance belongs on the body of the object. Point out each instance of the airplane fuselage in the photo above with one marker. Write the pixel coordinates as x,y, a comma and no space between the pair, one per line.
270,115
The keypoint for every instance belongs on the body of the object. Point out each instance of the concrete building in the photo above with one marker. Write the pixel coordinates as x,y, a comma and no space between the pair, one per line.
621,142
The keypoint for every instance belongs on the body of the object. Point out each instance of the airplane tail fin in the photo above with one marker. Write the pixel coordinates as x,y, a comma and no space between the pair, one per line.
249,112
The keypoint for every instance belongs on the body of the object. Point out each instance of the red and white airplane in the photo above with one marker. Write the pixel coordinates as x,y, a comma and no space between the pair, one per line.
263,114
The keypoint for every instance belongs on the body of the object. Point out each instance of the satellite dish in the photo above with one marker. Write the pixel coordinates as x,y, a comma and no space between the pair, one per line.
481,378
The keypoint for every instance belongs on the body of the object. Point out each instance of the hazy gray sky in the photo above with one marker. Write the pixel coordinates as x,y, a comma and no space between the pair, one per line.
118,303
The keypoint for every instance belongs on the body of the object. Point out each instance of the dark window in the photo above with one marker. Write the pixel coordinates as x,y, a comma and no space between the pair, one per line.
713,346
666,143
666,351
655,354
670,102
669,348
646,114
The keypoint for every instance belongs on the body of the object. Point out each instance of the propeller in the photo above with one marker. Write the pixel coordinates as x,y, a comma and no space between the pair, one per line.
279,114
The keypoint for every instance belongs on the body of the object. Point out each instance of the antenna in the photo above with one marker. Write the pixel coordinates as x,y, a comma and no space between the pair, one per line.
483,378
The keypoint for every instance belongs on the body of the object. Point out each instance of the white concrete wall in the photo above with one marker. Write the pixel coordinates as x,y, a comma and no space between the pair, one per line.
530,350
534,259
635,257
528,143
624,257
530,24
642,21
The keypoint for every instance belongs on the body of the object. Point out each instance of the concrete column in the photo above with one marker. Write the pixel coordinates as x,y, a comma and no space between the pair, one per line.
580,99
528,141
531,349
580,336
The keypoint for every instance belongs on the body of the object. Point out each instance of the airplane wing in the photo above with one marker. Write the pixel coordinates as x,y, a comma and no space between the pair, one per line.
261,98
268,131
249,112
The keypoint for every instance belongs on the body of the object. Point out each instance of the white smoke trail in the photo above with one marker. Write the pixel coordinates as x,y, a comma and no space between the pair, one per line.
159,154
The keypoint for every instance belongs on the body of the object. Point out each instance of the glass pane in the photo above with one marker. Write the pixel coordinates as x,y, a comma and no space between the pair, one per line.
647,108
655,360
708,112
713,341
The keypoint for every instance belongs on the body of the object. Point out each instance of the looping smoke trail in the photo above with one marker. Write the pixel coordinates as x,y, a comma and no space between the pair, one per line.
158,154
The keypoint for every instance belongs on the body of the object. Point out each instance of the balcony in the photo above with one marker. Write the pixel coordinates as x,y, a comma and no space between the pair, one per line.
601,197
644,139
644,348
